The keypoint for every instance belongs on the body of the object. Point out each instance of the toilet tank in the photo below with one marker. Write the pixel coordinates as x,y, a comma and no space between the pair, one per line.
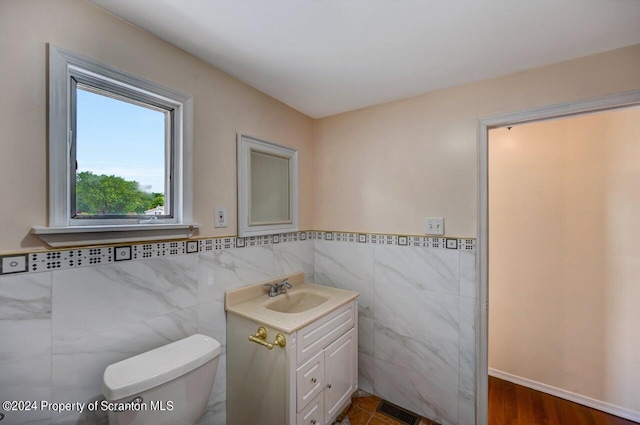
169,385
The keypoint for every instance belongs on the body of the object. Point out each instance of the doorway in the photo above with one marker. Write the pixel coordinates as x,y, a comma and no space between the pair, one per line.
590,106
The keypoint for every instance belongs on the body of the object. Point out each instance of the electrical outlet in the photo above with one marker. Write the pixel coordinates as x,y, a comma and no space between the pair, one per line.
221,217
434,225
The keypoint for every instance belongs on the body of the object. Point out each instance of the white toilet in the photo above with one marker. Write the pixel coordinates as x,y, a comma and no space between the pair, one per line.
166,386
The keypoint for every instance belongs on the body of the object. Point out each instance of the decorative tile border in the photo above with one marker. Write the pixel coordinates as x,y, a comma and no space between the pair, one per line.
42,261
59,260
462,244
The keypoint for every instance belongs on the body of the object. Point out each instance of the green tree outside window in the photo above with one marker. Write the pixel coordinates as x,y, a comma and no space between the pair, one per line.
112,195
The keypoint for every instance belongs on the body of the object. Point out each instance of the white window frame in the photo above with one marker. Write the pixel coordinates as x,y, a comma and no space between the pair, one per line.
63,65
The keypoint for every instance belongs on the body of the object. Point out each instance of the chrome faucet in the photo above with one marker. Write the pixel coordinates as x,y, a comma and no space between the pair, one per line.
276,289
273,289
282,287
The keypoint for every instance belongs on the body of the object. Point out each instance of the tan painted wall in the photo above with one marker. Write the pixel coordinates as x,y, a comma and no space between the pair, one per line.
379,169
223,106
564,270
385,168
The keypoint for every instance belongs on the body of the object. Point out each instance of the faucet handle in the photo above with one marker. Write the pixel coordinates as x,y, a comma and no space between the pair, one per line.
273,289
285,283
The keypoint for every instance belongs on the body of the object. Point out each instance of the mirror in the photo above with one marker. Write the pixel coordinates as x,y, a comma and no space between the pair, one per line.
267,187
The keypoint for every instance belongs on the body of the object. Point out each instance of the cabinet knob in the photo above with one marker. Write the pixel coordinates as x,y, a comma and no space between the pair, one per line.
314,380
328,385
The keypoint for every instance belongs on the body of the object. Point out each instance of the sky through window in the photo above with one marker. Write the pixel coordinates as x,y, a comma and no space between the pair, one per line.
122,139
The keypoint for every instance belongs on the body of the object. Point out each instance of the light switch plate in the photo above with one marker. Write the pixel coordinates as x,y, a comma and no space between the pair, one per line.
14,264
434,226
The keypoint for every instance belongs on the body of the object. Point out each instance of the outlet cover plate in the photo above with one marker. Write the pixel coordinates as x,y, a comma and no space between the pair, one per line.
221,217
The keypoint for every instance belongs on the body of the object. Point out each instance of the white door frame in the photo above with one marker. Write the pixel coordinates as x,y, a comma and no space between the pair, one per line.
562,110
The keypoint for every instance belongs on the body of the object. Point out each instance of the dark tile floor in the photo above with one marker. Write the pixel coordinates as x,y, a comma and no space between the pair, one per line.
363,412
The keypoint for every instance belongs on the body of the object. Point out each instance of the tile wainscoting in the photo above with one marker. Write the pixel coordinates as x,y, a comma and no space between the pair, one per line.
416,323
62,325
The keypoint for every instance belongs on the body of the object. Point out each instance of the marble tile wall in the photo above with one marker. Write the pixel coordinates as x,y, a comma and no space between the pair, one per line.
60,328
25,349
417,315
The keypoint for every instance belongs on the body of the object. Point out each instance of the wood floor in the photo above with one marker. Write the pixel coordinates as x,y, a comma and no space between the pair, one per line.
511,404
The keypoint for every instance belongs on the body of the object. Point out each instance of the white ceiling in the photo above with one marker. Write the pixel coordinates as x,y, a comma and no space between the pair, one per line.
324,57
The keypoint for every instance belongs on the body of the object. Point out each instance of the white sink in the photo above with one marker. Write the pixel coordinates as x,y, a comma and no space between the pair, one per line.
302,304
296,302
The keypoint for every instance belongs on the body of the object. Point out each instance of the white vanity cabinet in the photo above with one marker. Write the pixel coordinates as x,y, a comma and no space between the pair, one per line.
328,380
308,382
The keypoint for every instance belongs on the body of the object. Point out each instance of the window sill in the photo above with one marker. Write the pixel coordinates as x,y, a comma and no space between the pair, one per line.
59,237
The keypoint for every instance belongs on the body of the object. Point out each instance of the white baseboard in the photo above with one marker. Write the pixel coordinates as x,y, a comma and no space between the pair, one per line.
568,395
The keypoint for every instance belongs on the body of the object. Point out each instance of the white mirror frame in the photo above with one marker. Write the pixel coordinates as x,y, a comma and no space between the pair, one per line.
247,144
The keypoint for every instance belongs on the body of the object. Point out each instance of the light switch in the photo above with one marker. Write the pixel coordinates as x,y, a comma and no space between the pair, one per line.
14,264
434,225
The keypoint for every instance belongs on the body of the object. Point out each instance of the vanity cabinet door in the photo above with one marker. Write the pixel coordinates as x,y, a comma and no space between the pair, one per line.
310,380
340,360
312,414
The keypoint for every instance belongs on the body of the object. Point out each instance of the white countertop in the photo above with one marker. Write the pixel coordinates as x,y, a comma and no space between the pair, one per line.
249,302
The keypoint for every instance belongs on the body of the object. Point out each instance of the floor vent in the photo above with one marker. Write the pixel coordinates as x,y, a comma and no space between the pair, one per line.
398,413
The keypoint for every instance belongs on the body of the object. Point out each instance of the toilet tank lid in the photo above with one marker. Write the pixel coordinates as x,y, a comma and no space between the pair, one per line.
156,367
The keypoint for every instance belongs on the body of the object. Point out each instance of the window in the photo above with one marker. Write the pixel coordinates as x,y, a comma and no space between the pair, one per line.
120,156
119,150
